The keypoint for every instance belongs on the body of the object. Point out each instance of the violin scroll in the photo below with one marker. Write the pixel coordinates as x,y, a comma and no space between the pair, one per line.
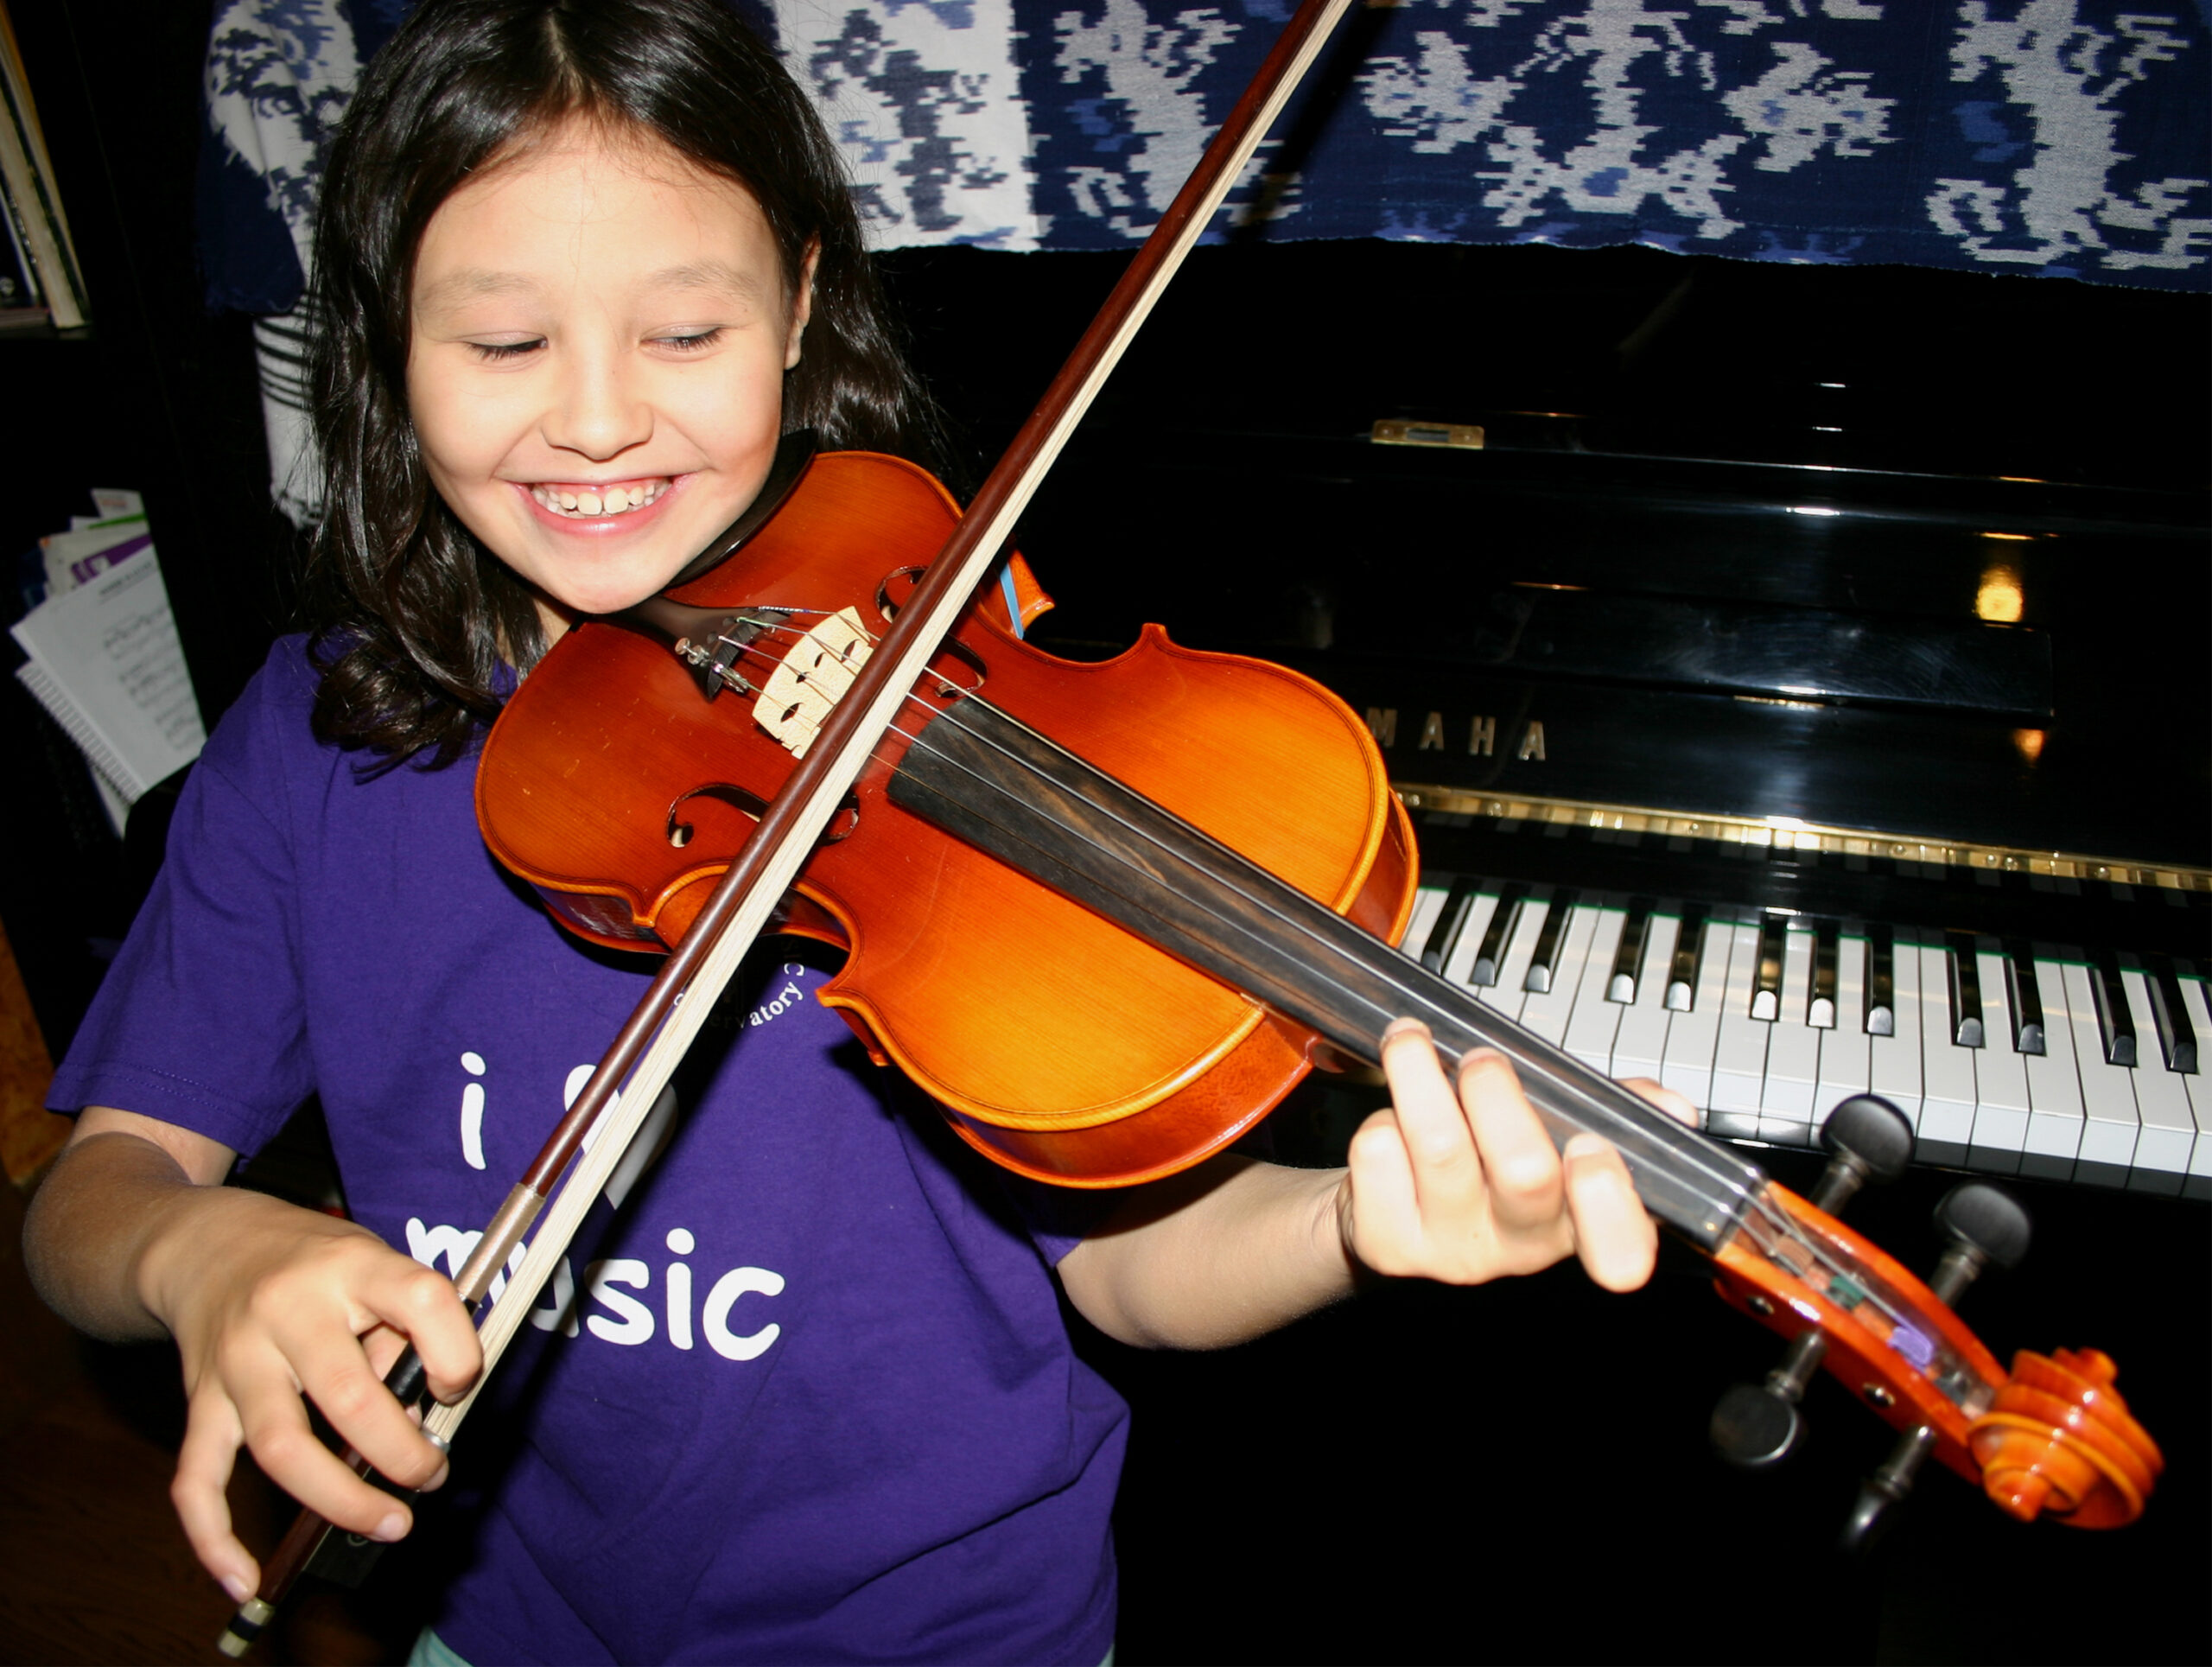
2058,1440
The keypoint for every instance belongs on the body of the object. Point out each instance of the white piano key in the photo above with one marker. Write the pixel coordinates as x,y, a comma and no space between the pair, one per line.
1687,1066
1594,1022
1793,1048
2169,1132
1507,993
2198,1086
1893,1061
1428,903
1545,1012
1843,1049
2108,1118
2001,1112
1640,1045
1459,958
1739,1050
1946,1070
2054,1134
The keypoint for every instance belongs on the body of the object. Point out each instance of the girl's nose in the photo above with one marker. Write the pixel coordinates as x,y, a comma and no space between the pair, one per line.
595,412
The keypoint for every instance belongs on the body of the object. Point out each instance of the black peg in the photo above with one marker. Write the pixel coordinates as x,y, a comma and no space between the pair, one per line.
1756,1425
1886,1488
1986,1228
1867,1139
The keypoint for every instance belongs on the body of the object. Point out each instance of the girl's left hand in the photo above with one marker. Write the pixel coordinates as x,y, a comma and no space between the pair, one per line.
1457,1181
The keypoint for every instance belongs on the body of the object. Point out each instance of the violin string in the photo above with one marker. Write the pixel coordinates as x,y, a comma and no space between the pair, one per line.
1778,1220
1703,1170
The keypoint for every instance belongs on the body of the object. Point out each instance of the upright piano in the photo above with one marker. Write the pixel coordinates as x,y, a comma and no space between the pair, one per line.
1798,677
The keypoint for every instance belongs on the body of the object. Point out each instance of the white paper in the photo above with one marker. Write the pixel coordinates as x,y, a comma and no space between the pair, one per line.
106,662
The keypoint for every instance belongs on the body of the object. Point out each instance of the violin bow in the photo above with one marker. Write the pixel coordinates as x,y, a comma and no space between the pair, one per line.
738,911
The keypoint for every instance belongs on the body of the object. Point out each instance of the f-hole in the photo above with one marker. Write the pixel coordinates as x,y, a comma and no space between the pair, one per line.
680,832
884,605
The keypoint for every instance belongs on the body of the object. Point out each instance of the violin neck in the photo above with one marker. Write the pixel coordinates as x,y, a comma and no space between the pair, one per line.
1005,788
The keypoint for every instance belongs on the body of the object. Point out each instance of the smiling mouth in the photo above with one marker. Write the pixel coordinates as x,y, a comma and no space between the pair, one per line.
579,502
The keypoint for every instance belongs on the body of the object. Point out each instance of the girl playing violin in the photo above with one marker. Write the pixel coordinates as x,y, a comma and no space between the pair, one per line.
802,1392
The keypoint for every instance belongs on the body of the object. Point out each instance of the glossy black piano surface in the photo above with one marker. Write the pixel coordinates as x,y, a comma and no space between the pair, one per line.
1864,612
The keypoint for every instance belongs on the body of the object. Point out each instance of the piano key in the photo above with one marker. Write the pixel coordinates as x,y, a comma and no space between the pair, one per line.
1435,921
2115,1026
2169,1132
1686,969
2001,1107
1964,971
1687,1066
1517,945
1546,1011
1628,954
2023,997
2054,1115
1491,952
2109,1120
1947,1068
1893,1000
1843,1047
1640,1045
2199,1088
1596,1017
1881,982
2177,1036
1820,1007
1739,1048
1793,1048
1544,958
1459,954
1766,981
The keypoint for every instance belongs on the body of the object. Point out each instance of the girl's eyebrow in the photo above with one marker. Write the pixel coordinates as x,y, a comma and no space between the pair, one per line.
472,283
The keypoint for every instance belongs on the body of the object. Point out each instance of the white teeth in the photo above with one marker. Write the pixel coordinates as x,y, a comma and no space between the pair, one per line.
586,501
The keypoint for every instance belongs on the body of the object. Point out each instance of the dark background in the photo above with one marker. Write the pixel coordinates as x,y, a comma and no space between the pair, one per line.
1515,1473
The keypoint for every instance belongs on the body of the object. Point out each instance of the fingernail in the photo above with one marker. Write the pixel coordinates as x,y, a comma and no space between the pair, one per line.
438,1480
389,1529
1404,1027
236,1585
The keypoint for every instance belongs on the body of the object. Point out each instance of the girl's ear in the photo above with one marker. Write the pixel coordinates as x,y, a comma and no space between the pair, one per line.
801,302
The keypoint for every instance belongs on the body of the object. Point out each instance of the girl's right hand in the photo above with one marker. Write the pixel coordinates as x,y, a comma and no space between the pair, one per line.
268,1303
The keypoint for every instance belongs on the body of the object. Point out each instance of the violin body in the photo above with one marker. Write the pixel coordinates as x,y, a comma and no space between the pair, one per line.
1043,1029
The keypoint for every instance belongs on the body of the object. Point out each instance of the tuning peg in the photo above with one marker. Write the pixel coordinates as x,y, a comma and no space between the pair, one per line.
1867,1139
1986,1227
1756,1425
1886,1487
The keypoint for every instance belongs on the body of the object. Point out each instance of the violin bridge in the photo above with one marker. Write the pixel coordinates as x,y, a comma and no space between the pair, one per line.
811,679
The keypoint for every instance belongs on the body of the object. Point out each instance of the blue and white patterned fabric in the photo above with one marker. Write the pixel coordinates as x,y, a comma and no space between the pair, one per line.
2062,137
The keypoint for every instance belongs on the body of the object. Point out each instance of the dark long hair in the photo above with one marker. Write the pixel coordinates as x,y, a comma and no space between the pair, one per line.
415,617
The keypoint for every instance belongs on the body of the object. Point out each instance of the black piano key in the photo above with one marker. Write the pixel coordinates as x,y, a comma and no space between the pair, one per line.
1965,981
1881,982
1544,959
1766,985
1689,954
1820,1007
2022,998
1449,918
1491,952
2177,1036
2115,1024
1628,959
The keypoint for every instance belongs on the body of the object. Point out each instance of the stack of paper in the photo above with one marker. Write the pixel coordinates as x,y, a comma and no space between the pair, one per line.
104,659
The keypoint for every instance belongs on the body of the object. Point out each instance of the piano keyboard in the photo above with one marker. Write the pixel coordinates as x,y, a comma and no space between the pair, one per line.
2006,1058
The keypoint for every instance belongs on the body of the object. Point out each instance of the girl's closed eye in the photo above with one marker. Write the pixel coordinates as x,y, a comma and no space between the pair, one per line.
495,352
697,342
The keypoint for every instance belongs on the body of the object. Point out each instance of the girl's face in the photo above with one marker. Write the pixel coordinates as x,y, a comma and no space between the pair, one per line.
595,372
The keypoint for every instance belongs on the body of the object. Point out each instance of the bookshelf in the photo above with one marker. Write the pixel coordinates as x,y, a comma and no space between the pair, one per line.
154,395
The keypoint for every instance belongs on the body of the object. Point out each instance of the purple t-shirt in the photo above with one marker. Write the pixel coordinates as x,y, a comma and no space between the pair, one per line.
806,1397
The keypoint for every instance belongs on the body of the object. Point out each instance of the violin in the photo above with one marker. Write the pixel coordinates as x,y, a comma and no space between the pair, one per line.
1108,915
